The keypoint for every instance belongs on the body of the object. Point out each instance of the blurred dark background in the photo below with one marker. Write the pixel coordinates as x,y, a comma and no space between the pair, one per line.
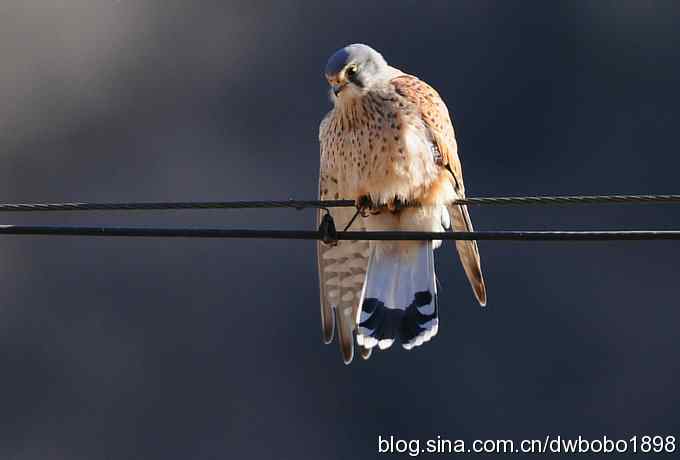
158,348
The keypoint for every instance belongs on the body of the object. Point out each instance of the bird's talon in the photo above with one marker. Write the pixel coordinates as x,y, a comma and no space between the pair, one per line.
396,205
364,205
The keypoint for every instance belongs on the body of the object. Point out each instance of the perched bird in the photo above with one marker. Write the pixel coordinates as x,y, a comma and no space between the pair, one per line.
387,142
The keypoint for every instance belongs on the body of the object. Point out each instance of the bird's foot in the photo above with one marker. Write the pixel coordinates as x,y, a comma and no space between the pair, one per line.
395,205
365,206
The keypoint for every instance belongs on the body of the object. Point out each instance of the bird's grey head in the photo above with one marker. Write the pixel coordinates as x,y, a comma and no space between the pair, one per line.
354,69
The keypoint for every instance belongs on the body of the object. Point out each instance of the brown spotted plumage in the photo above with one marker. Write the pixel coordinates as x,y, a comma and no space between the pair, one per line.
436,117
388,139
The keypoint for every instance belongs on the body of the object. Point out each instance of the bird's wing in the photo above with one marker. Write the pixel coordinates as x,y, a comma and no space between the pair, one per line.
435,116
342,268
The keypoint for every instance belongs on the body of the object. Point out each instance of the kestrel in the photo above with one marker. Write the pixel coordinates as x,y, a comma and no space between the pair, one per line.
387,142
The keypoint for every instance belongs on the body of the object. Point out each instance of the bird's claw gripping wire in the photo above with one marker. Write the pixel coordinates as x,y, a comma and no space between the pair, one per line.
397,205
327,231
366,206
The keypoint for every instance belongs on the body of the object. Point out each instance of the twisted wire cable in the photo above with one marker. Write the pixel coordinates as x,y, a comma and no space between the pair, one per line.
304,204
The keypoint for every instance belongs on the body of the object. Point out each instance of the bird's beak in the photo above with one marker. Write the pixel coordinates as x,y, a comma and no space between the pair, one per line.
337,88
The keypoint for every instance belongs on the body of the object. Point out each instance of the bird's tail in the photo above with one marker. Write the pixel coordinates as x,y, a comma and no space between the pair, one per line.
399,297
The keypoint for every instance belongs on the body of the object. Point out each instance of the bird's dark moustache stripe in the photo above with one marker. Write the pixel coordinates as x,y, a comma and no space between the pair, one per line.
356,80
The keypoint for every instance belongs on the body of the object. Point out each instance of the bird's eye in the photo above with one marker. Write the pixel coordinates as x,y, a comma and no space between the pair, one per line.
351,71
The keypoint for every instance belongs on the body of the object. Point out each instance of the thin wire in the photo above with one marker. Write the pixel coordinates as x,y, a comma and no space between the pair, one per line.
571,199
162,205
349,235
304,204
351,221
